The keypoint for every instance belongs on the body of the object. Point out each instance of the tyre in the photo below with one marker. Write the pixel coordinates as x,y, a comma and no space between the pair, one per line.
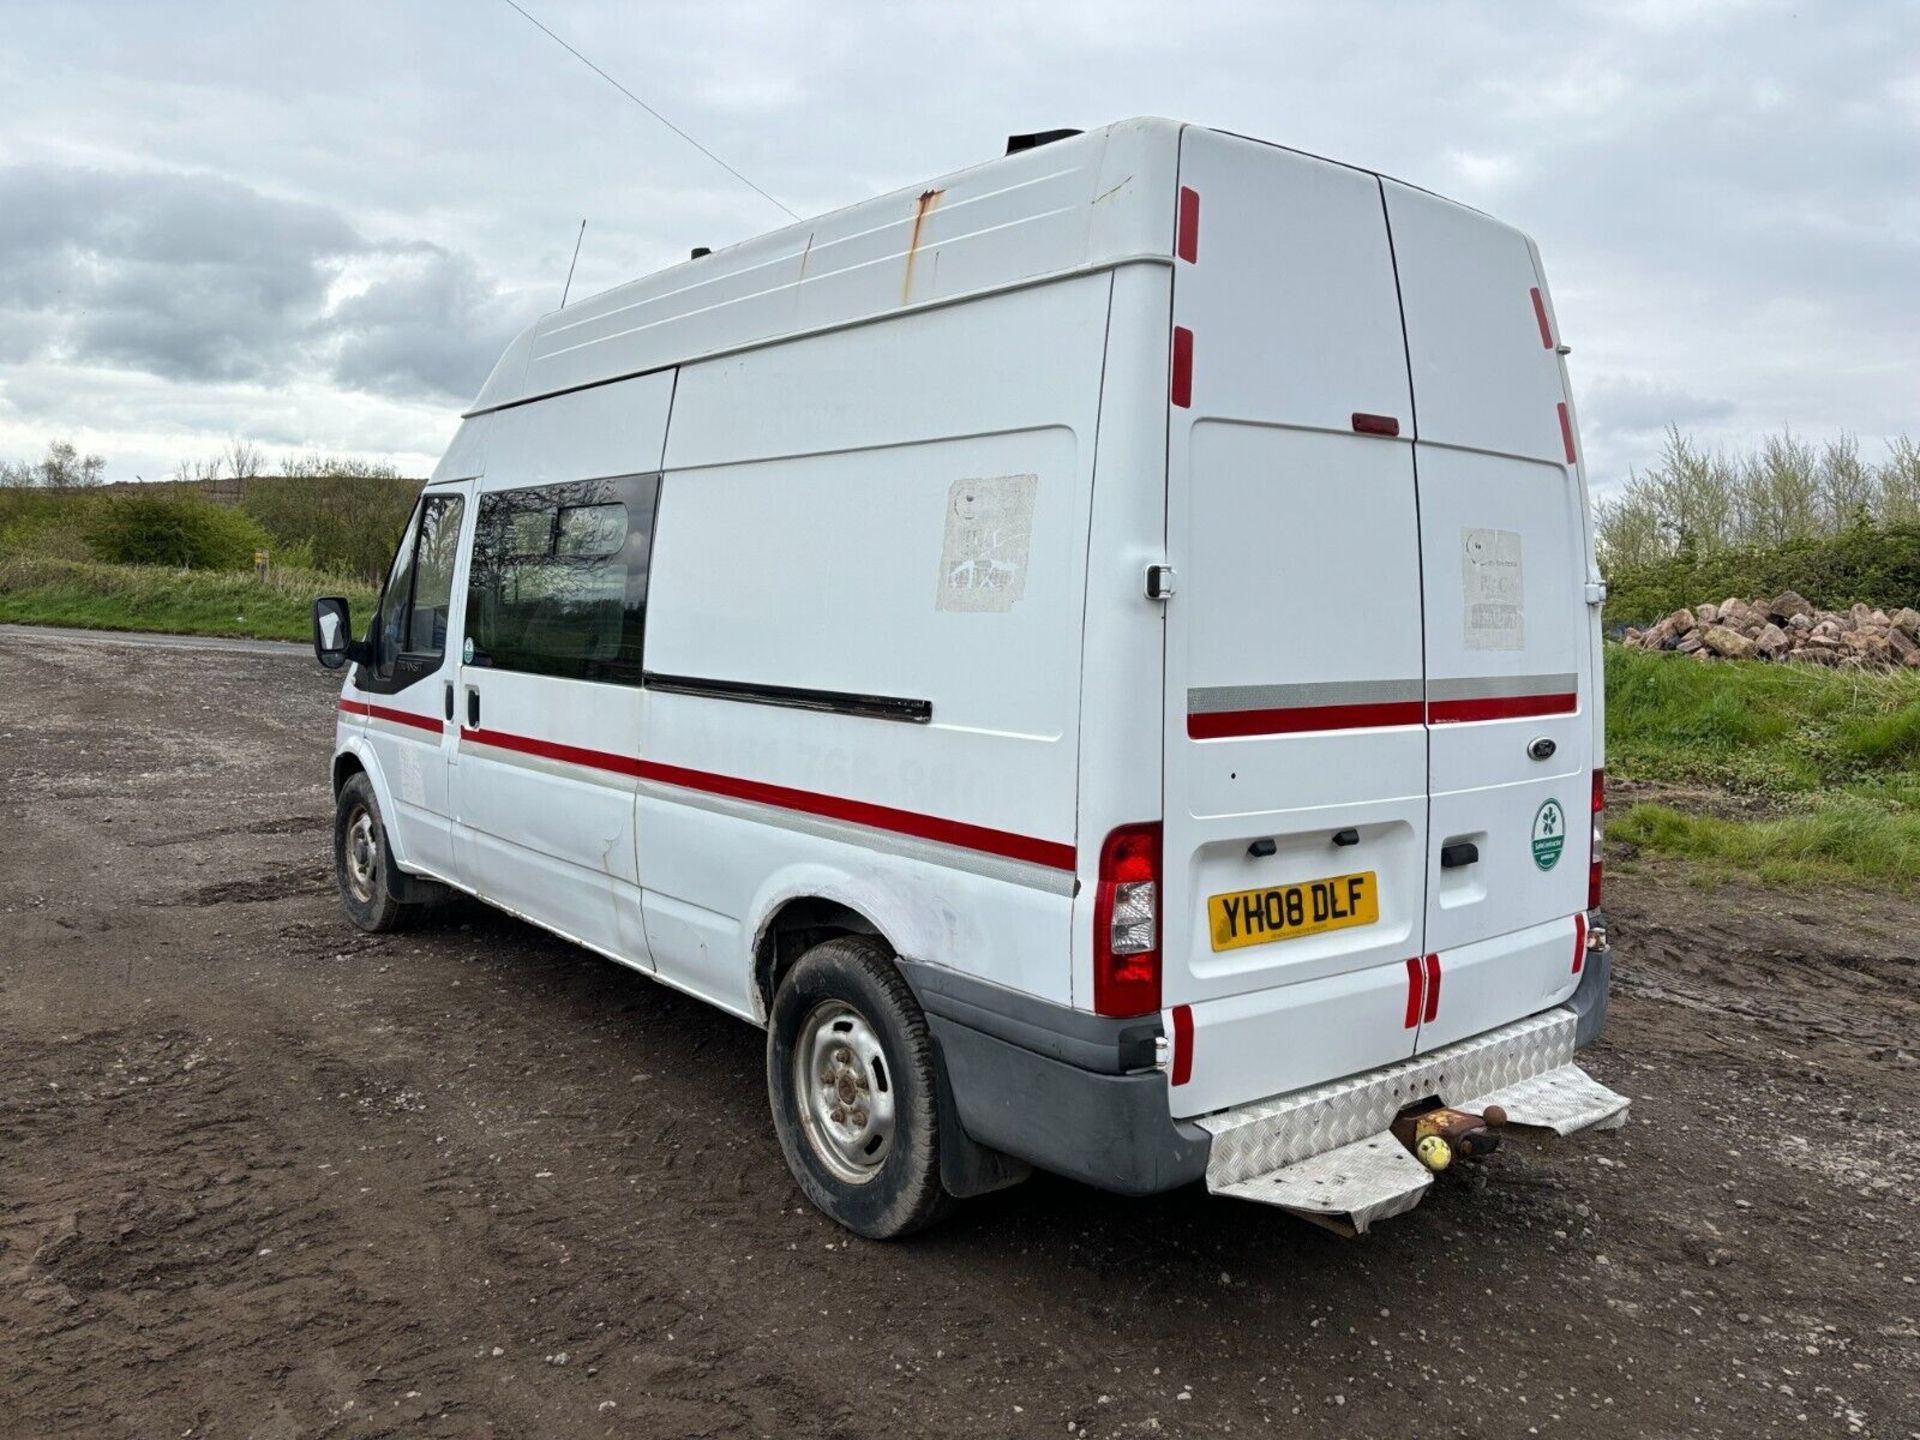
362,863
851,1078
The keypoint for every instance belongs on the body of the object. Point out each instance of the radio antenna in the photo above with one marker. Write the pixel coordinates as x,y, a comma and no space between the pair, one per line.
568,288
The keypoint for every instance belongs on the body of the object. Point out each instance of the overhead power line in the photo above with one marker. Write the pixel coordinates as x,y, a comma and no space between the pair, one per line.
650,110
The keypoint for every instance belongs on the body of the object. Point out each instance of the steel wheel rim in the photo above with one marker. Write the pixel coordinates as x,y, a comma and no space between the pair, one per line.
362,855
845,1091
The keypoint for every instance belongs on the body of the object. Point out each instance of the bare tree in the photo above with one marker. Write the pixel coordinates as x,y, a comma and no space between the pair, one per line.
1846,484
1780,492
1897,484
65,468
243,458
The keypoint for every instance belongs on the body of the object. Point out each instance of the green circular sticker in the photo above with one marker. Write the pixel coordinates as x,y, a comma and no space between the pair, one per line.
1549,834
466,651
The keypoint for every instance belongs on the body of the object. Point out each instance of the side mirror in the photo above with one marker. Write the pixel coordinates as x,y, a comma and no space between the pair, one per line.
332,632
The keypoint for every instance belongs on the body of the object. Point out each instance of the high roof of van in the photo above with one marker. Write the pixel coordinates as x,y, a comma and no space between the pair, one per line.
1077,205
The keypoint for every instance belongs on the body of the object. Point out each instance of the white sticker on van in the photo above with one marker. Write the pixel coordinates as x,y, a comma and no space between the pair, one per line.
983,559
1493,596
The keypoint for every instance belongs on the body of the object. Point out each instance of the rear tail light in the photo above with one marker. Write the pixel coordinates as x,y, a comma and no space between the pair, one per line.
1599,822
1126,923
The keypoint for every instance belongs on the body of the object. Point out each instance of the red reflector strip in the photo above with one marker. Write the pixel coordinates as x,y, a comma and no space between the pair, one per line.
1365,424
553,750
1182,1044
1540,314
1225,724
1413,991
1048,853
1433,989
398,717
1052,854
1182,366
1579,941
1187,237
1566,431
1500,707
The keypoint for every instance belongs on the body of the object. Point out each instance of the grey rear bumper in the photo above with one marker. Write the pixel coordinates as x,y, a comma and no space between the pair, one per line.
1078,1094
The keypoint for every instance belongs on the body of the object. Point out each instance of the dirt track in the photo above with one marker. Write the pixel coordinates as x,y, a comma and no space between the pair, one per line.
262,1175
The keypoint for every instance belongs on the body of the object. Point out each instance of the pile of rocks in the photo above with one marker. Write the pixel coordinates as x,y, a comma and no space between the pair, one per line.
1788,628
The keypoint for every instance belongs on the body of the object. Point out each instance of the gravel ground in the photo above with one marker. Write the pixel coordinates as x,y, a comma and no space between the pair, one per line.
263,1175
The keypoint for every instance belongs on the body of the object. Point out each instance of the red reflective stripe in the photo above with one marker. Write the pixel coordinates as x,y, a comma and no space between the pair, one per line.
553,750
1182,1044
1221,724
1053,855
1540,314
1500,707
1187,242
1566,431
1579,941
398,717
1182,366
1433,988
1413,991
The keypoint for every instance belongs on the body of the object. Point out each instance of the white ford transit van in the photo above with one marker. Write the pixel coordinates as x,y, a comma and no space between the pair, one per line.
1099,656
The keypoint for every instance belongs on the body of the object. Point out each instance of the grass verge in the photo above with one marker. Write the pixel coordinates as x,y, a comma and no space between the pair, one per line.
40,591
1835,756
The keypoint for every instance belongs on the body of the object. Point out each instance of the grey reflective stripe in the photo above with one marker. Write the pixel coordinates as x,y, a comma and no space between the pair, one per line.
1222,699
1499,687
909,847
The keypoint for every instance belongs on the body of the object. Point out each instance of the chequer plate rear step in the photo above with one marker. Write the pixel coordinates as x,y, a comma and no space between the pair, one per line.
1326,1153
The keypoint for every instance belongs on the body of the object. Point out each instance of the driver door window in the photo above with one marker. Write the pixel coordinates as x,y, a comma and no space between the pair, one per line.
414,607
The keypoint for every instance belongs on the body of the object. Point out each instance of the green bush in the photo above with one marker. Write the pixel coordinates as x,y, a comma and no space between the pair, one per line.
1879,567
349,522
181,530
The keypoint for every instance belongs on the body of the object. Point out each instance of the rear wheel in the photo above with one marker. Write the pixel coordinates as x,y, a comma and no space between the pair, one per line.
850,1075
362,863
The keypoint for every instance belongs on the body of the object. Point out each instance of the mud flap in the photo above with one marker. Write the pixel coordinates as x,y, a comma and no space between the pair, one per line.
1326,1154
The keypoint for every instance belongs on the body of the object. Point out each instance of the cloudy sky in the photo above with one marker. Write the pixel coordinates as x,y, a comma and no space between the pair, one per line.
314,225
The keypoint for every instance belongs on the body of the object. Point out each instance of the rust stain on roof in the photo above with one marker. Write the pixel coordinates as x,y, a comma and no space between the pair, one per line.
928,201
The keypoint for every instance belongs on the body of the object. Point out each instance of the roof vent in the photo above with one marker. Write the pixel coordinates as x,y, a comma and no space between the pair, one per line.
1017,143
701,252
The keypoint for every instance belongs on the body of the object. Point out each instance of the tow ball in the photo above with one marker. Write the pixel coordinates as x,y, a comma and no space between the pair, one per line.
1440,1136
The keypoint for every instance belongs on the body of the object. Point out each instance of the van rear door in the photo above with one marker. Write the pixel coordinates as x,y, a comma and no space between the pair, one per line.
1508,640
1295,809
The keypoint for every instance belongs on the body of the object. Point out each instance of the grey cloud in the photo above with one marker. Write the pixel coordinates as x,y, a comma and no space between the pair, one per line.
186,276
432,327
198,278
1624,406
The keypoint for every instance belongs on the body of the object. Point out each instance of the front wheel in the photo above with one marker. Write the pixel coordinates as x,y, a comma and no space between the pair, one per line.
850,1076
362,865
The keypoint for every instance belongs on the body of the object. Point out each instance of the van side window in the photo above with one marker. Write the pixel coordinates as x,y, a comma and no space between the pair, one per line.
558,581
418,599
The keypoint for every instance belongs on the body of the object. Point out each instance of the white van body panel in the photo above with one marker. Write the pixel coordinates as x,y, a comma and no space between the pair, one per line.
881,652
879,431
1081,206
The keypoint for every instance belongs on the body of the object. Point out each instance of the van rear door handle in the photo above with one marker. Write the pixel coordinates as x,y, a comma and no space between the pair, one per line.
473,708
1461,852
449,698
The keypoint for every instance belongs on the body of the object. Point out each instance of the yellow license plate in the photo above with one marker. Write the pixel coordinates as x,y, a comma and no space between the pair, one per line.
1286,912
